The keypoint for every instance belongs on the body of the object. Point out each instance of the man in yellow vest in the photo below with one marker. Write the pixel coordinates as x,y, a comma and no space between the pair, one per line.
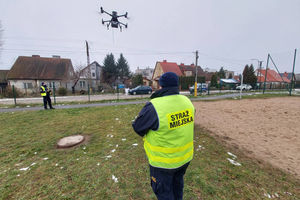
45,93
166,124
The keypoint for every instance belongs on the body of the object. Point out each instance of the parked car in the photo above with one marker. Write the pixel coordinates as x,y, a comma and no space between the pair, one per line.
199,85
244,87
140,90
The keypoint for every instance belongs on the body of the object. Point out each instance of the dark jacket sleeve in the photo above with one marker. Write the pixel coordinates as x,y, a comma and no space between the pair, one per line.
146,120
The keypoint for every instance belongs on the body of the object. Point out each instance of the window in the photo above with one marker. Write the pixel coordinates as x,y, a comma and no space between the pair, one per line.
93,74
82,84
28,85
188,73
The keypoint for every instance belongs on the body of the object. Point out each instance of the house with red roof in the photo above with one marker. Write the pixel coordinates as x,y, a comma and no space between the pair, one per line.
180,70
273,78
163,67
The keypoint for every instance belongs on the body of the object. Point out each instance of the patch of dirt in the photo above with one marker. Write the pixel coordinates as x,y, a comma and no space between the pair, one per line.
269,129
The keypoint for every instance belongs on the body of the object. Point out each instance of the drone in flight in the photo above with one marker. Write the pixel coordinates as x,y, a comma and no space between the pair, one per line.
114,22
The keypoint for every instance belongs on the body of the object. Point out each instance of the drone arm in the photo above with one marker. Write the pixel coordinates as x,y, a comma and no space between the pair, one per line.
103,11
125,15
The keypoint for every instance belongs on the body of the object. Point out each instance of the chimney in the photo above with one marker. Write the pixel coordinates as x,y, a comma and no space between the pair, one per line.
35,56
55,56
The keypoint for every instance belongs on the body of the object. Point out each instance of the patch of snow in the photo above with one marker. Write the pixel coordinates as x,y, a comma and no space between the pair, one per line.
115,179
231,154
18,175
276,194
233,162
200,147
109,135
61,167
107,157
117,119
28,106
84,152
33,164
135,144
123,139
84,148
45,158
267,195
98,164
56,164
24,169
18,164
35,153
117,145
113,150
77,159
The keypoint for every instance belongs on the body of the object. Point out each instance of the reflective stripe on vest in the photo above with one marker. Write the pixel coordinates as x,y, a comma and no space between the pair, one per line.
171,146
44,91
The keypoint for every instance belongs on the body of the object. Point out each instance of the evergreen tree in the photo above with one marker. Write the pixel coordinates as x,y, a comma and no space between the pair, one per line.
137,80
230,76
110,70
123,67
214,80
249,76
221,73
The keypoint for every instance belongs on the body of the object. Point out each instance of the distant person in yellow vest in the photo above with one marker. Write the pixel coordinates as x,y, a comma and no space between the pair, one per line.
166,124
45,93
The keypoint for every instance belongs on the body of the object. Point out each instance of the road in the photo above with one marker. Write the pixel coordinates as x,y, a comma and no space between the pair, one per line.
83,98
62,106
79,99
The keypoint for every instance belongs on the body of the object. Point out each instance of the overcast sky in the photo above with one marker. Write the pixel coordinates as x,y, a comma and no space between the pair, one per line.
226,33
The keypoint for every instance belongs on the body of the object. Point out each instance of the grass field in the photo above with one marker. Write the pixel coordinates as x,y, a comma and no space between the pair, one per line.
28,139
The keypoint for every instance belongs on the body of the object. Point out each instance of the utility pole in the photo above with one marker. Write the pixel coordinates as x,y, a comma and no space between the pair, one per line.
292,81
89,67
258,68
195,86
266,74
260,63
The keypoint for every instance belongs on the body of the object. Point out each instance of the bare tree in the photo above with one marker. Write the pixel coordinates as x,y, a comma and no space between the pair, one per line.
78,72
1,42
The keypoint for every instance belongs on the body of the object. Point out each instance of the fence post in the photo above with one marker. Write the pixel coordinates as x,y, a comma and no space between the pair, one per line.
14,94
208,86
54,93
89,92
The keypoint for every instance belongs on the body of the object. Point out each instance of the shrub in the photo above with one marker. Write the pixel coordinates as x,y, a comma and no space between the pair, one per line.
9,92
62,91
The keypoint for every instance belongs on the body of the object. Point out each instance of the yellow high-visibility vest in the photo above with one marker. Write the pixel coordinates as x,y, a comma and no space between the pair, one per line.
171,146
44,93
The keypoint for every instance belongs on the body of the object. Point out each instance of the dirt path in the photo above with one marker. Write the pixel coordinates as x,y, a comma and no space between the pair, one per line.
269,129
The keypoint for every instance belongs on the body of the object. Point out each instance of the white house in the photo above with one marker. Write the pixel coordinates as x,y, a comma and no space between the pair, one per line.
28,73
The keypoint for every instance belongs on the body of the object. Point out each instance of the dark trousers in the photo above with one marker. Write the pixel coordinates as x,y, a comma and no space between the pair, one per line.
46,100
167,184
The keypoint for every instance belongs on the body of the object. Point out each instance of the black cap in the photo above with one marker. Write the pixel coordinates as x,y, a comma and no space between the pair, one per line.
169,79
